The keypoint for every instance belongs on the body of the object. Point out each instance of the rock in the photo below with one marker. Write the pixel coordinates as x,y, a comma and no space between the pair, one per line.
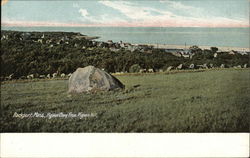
215,55
23,77
143,71
199,66
63,75
180,67
191,66
150,70
205,66
91,79
31,76
42,76
10,77
170,68
54,75
222,66
69,74
245,66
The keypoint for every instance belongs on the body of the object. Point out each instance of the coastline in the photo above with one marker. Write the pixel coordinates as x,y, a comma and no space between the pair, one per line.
120,35
169,46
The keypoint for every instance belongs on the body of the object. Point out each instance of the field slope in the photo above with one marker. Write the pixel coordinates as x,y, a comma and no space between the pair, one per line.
210,101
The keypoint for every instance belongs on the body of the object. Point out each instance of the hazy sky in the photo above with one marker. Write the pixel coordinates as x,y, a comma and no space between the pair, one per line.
158,13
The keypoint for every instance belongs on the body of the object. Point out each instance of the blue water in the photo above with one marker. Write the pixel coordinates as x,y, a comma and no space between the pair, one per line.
227,37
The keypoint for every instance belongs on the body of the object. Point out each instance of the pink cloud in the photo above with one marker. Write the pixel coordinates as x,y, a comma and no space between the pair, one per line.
156,23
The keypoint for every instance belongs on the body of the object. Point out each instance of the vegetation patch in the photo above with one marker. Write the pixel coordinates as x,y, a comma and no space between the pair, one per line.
209,101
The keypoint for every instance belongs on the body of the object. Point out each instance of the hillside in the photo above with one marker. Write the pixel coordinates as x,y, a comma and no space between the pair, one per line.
42,53
209,101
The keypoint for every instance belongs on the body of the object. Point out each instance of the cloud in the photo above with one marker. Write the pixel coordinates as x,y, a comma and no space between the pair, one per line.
98,19
3,2
143,16
187,9
133,11
134,15
76,5
177,5
83,12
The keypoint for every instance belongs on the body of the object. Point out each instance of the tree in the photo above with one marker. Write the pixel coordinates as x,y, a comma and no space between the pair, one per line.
134,68
214,49
195,49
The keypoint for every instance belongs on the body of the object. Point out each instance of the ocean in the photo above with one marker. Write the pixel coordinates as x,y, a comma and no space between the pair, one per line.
219,37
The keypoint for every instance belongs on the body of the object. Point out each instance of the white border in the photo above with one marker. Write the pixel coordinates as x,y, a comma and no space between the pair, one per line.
124,145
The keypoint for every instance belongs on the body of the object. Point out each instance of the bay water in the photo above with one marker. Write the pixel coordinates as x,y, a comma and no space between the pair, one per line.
219,37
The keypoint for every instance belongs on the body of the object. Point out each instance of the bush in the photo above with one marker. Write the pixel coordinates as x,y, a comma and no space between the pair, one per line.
134,68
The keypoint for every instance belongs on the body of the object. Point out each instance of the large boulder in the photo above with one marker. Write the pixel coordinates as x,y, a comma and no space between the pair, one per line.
92,79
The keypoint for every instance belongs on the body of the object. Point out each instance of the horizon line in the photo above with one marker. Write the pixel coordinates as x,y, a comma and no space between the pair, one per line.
6,25
59,24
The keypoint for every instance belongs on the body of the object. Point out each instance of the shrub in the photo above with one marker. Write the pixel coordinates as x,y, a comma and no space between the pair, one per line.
134,68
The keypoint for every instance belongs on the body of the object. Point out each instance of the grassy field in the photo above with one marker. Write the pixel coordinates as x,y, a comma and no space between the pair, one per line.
210,101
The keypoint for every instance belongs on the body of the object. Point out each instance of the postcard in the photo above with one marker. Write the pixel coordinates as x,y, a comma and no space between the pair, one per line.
125,67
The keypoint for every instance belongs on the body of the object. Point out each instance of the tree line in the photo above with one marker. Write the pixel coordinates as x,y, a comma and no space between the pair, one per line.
24,57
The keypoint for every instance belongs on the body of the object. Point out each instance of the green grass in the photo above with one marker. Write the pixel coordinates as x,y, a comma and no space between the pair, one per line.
210,101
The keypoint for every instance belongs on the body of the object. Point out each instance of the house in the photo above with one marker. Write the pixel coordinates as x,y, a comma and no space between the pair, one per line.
185,55
231,52
94,43
25,36
173,50
127,44
114,49
117,45
215,55
40,41
150,70
110,42
176,54
243,52
49,41
65,38
122,45
33,38
131,48
42,36
59,42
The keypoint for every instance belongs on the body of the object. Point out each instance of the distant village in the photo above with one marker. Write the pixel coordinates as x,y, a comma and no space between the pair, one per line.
61,38
89,43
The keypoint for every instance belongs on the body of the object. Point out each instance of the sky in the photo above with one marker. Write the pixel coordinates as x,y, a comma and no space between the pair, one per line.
130,13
